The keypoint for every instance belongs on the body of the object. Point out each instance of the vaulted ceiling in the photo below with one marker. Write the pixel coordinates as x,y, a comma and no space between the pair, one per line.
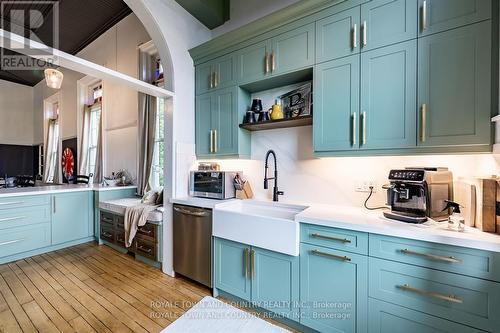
80,23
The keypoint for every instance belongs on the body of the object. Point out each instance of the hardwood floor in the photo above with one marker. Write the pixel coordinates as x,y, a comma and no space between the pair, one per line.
91,288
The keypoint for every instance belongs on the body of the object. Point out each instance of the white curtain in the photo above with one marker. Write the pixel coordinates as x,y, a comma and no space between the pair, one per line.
85,143
51,151
147,125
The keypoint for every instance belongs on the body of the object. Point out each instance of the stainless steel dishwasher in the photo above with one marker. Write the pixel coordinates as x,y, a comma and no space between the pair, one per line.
193,243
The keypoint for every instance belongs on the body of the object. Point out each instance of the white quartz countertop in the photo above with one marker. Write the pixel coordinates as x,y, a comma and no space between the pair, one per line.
360,219
199,202
40,190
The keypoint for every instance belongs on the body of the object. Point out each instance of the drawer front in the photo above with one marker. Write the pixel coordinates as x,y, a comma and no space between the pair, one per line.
120,222
145,248
107,234
476,263
385,317
22,239
107,218
120,238
334,238
16,202
17,217
466,300
148,232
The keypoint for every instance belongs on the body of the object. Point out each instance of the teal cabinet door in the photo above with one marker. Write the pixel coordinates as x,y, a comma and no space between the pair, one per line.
333,289
224,69
336,104
388,97
232,268
337,36
454,87
386,22
293,50
388,318
440,15
224,120
204,78
70,216
252,62
275,282
203,131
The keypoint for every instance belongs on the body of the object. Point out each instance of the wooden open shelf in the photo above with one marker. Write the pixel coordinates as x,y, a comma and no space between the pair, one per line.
282,123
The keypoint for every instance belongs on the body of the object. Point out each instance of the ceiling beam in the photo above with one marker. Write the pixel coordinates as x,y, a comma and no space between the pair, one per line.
66,60
212,13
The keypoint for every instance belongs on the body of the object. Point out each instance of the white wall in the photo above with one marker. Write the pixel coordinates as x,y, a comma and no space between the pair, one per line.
333,180
16,114
243,12
115,49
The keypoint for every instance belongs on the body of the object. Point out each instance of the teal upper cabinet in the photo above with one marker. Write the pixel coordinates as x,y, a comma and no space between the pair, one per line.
231,263
204,133
253,62
385,22
216,74
338,35
333,289
71,216
204,78
275,282
388,97
217,116
293,50
441,15
336,104
454,87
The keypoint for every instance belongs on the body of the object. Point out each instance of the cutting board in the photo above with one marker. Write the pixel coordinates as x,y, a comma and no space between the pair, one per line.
465,195
486,197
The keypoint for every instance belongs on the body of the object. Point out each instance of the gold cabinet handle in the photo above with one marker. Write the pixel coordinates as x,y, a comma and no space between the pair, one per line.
215,141
434,257
335,239
266,61
216,80
211,80
365,28
12,241
273,61
423,123
363,139
424,16
329,255
354,36
245,257
252,263
211,141
449,298
354,129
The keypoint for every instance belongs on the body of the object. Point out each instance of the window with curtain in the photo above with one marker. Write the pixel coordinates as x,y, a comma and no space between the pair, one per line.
52,148
156,178
93,129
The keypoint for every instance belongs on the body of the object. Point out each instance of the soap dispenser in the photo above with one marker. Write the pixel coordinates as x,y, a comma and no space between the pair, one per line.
456,221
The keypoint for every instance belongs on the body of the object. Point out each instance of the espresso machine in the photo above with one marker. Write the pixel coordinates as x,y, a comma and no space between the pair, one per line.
417,194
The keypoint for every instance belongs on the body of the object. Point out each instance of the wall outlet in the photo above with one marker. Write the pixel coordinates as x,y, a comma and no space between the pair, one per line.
364,185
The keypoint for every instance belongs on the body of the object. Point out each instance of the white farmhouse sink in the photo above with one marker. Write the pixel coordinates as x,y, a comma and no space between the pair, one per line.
267,225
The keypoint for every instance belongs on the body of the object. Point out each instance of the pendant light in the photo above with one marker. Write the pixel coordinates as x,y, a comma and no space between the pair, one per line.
54,78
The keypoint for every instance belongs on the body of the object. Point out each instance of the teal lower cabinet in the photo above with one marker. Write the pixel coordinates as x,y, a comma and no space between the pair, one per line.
389,318
333,289
23,239
71,216
267,279
462,299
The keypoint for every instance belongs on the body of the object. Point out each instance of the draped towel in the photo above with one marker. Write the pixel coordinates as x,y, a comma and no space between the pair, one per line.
135,217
